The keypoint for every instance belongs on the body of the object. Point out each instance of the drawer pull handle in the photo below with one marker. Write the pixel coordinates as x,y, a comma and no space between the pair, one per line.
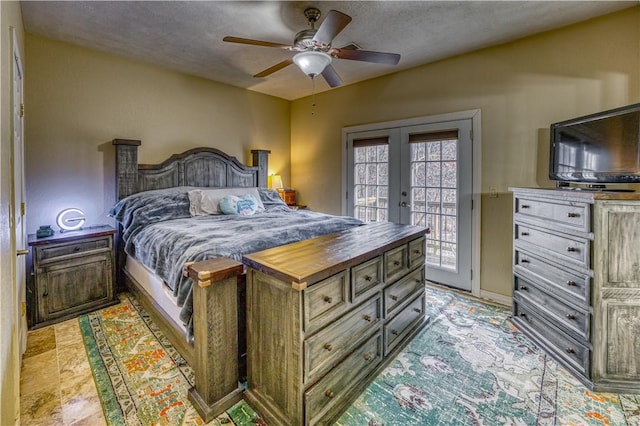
76,249
524,261
392,297
396,263
523,287
45,294
368,277
523,315
572,249
328,346
418,281
524,234
328,299
417,252
418,311
367,318
395,332
367,357
573,214
571,351
329,393
525,206
571,283
570,316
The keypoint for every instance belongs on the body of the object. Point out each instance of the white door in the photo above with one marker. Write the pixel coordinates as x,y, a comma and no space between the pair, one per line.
419,175
436,192
19,196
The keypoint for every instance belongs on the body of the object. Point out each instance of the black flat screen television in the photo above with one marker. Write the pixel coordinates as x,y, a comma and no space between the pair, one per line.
598,148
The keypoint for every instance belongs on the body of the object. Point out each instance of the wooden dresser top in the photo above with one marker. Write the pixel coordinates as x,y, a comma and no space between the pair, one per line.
318,258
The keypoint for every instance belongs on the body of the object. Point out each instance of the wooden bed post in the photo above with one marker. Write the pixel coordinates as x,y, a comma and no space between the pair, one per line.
260,160
126,167
215,330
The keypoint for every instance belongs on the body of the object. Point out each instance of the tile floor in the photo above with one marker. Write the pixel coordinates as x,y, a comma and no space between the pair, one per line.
56,384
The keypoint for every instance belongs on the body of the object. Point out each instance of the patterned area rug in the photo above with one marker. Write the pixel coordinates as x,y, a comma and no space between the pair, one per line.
141,378
470,366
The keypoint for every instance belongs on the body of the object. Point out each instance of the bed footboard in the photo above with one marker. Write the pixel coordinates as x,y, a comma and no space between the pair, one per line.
215,329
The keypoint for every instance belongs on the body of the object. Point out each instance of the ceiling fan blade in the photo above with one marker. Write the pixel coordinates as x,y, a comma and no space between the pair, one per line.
331,76
367,56
256,42
276,67
331,27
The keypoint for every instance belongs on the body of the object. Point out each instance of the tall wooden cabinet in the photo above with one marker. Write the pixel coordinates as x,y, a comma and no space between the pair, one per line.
576,269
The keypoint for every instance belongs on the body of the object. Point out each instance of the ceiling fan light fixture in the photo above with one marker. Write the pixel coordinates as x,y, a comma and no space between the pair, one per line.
312,62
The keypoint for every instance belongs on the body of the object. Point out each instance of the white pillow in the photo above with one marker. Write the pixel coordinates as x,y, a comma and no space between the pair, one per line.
203,202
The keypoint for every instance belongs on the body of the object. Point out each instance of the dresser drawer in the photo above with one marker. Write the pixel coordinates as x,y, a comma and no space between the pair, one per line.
327,347
396,329
329,391
416,252
365,277
554,340
78,248
400,292
575,321
395,263
566,213
573,249
325,301
564,283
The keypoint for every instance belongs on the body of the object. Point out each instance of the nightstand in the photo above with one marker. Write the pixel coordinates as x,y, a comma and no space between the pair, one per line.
72,274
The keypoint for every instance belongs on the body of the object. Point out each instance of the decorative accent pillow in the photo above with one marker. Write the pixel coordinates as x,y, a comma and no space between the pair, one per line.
244,205
203,202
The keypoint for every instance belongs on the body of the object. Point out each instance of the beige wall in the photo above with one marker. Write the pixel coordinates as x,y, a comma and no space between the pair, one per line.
520,87
11,16
78,100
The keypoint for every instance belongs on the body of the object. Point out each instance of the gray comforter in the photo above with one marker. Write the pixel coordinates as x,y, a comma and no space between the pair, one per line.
160,233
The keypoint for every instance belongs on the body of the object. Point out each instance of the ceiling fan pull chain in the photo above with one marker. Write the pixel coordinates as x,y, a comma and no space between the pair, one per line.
313,95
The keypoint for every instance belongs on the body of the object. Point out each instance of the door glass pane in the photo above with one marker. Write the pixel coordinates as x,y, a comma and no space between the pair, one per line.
434,183
371,178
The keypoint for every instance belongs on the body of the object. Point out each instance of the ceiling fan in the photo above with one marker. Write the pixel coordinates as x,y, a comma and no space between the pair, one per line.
315,52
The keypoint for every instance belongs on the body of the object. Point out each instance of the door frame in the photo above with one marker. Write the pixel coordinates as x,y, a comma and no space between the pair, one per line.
476,197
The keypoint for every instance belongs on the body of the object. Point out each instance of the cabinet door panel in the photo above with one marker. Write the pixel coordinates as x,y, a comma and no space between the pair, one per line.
72,285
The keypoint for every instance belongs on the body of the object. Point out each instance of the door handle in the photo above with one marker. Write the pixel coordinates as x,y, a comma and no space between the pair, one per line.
404,204
22,252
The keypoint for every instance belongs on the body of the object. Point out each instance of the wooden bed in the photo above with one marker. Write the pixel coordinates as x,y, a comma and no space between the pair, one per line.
217,350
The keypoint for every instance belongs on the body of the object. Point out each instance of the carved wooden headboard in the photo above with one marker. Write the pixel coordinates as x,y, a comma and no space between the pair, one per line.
203,167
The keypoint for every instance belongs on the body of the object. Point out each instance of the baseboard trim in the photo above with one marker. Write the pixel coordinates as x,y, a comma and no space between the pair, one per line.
496,297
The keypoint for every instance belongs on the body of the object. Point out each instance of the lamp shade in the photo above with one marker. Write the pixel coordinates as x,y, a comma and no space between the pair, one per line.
312,62
276,182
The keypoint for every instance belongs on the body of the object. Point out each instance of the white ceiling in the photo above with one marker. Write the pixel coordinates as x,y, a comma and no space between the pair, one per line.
187,36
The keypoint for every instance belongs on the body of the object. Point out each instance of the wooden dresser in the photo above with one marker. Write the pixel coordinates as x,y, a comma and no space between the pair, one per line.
73,274
576,268
324,316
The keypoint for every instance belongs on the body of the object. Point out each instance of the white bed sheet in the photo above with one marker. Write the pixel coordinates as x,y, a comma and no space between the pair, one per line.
156,288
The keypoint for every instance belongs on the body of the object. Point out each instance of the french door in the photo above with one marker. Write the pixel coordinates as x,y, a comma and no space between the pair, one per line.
419,175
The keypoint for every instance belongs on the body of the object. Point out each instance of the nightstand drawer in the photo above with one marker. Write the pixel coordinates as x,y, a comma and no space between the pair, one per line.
416,252
72,248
